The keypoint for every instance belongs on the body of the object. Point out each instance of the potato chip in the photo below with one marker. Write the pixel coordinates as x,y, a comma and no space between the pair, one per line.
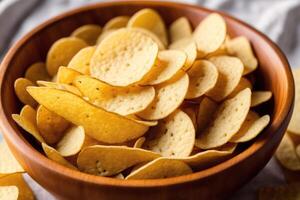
29,113
286,154
60,86
168,97
173,137
241,47
259,97
81,61
37,71
66,75
251,127
180,29
116,23
203,77
161,168
124,57
230,72
8,163
243,84
149,19
189,47
121,100
50,125
222,50
169,63
54,78
227,121
54,155
20,90
89,33
72,141
206,110
97,123
119,176
294,125
110,160
191,111
139,142
9,192
284,192
61,52
154,37
104,34
210,33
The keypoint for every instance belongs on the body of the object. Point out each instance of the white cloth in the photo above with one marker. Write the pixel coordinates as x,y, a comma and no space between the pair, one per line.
278,19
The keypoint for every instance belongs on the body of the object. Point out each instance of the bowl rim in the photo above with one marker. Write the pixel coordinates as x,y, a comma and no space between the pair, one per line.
11,135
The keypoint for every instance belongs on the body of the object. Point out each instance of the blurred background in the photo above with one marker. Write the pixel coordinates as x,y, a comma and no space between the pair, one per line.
278,19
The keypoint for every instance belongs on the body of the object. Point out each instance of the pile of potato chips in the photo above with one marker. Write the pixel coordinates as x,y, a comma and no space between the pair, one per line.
132,100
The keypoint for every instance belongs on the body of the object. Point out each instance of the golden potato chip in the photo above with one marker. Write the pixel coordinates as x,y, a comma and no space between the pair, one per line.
230,72
169,96
203,77
61,52
241,47
119,176
89,141
54,78
9,193
29,113
97,123
20,90
206,110
8,163
286,154
72,141
81,61
104,34
251,127
121,100
50,125
294,125
37,71
161,168
191,111
146,123
243,84
66,75
227,121
210,33
116,23
89,33
139,142
173,137
222,50
149,19
154,37
169,63
283,192
189,47
111,160
259,97
54,155
60,86
124,57
180,29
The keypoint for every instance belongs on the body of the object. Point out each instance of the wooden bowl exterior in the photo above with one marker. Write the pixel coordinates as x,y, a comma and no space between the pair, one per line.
214,183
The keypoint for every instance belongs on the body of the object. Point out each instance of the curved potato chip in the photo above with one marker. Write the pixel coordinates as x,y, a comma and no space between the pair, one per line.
207,108
94,120
169,96
104,34
259,97
20,90
251,127
286,154
50,125
210,33
230,72
81,61
37,71
191,111
121,100
61,52
116,23
203,77
173,137
110,160
241,47
60,86
54,155
66,75
139,142
154,37
8,163
189,47
222,50
149,19
161,168
180,29
72,141
124,57
294,125
169,63
29,113
119,176
9,192
88,33
227,121
243,84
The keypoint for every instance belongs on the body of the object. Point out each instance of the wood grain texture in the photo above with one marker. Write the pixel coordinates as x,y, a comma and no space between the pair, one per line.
214,183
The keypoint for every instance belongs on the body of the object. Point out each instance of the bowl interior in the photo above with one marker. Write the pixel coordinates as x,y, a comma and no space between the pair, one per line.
273,73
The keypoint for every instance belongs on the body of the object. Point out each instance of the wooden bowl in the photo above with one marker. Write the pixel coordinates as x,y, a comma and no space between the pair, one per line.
214,183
